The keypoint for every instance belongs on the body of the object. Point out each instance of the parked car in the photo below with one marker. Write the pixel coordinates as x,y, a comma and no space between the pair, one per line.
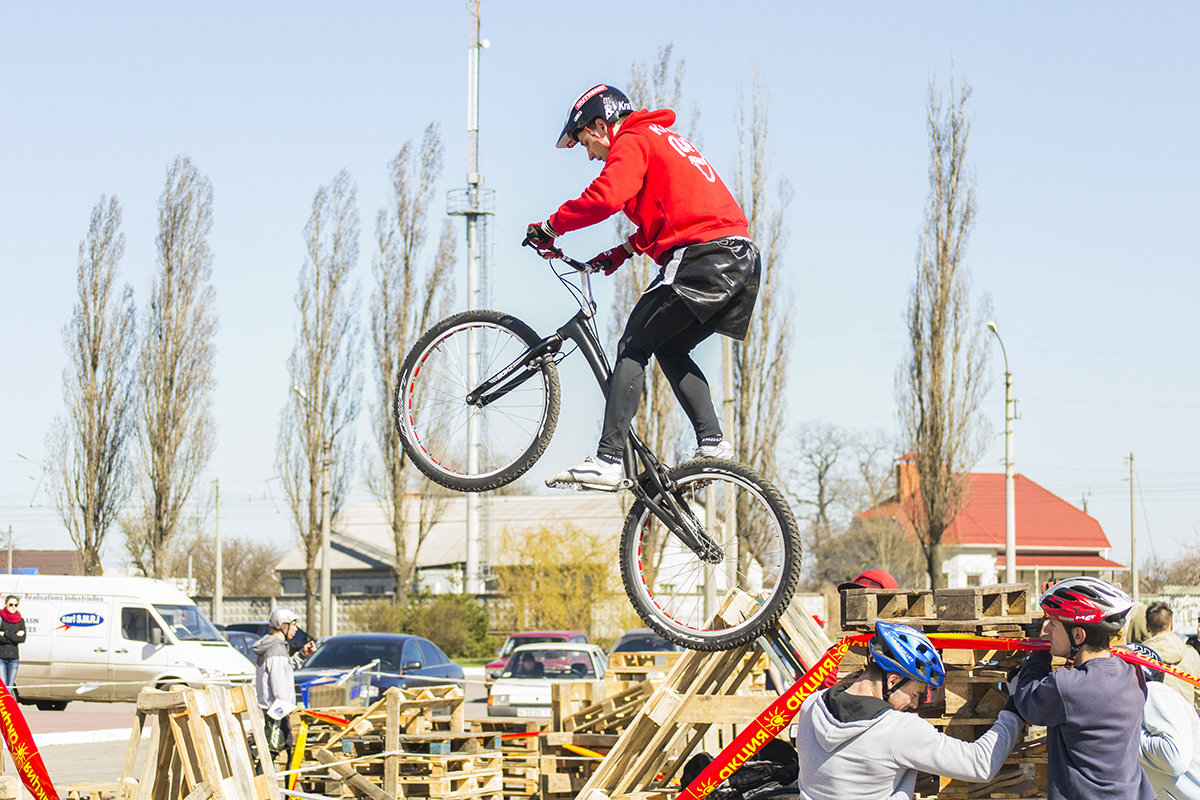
400,660
492,669
523,687
261,629
643,640
243,642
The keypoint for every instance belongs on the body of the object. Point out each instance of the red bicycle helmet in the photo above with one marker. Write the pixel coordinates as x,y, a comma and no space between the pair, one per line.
1087,601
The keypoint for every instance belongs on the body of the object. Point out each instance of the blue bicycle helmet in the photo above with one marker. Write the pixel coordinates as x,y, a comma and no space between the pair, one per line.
908,652
1145,652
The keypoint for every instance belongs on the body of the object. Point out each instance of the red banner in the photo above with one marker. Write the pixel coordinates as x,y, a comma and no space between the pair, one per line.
775,718
24,752
768,724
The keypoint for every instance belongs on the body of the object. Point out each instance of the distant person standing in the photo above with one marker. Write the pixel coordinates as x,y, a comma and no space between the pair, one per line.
274,680
12,636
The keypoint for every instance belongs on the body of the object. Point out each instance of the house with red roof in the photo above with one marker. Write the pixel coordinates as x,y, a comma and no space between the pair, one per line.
1054,539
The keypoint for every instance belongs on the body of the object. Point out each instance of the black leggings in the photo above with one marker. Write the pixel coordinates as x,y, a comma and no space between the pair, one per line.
660,325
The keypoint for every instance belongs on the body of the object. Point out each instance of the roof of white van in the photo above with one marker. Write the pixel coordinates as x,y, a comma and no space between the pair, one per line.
144,588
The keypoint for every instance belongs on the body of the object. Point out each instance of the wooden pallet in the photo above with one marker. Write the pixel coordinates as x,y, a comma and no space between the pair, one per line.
564,769
612,714
198,747
519,754
862,607
984,602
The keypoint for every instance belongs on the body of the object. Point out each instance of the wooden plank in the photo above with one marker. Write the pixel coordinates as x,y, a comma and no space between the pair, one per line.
391,743
348,775
233,741
159,741
202,792
258,732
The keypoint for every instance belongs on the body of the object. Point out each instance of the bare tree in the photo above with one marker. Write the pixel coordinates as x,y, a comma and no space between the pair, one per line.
175,368
839,474
248,566
326,386
760,363
944,378
407,299
88,448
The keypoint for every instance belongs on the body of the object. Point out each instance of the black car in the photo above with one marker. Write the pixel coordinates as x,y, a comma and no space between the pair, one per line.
243,642
261,629
643,640
402,661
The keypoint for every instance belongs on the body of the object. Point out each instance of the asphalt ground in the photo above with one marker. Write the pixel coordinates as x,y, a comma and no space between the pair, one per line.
88,741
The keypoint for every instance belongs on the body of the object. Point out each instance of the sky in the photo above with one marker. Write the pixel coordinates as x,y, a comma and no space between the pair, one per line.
1082,147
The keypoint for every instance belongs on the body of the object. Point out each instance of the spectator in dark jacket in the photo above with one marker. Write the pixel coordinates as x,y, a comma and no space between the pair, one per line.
12,636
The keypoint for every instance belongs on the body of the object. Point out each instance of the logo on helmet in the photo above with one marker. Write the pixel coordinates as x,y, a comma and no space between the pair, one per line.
589,94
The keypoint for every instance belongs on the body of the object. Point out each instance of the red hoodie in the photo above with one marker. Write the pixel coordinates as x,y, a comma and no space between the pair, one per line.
662,183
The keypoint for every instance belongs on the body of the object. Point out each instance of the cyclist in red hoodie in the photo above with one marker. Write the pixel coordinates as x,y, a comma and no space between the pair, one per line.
693,228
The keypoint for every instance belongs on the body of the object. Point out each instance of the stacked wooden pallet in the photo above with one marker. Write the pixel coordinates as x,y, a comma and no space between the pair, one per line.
399,747
700,693
972,695
198,747
519,753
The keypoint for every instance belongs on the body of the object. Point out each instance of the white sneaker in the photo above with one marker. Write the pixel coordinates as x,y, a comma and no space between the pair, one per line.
721,449
592,473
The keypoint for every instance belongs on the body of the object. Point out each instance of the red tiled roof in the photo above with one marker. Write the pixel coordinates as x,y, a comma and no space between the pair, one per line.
1044,520
1063,561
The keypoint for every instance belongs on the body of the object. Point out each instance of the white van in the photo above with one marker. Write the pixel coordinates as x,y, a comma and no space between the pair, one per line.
97,638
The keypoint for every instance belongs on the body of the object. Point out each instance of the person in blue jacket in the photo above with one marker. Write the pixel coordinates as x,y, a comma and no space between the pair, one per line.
1092,708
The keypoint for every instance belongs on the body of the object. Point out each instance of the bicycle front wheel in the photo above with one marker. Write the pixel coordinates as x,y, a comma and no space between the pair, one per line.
435,419
678,594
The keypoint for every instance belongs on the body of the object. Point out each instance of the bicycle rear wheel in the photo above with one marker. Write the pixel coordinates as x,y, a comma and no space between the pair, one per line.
434,418
678,594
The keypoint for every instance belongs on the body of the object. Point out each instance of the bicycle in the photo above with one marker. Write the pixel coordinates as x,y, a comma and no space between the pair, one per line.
694,529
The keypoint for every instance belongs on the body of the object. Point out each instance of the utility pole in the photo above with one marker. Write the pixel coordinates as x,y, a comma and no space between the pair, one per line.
10,548
1133,567
475,203
218,588
1010,500
326,580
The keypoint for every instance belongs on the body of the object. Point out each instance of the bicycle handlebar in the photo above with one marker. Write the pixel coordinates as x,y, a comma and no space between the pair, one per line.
579,266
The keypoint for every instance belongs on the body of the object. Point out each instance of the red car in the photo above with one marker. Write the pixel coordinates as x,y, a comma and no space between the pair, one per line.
493,669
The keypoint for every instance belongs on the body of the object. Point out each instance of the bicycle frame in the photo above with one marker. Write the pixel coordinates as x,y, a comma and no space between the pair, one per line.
654,479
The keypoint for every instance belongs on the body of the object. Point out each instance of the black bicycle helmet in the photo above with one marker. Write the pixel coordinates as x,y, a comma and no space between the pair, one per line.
1146,652
599,102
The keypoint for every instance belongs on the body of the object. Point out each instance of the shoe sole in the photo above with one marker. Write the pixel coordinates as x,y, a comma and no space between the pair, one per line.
585,486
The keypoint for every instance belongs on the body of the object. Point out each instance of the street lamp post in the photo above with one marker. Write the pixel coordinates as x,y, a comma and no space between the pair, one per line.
326,588
1010,501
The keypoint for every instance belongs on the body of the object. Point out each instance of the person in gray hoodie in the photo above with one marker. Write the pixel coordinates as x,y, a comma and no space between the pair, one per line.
857,741
274,681
1170,746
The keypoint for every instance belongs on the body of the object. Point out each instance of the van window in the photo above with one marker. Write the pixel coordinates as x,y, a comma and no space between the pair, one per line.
188,623
136,624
